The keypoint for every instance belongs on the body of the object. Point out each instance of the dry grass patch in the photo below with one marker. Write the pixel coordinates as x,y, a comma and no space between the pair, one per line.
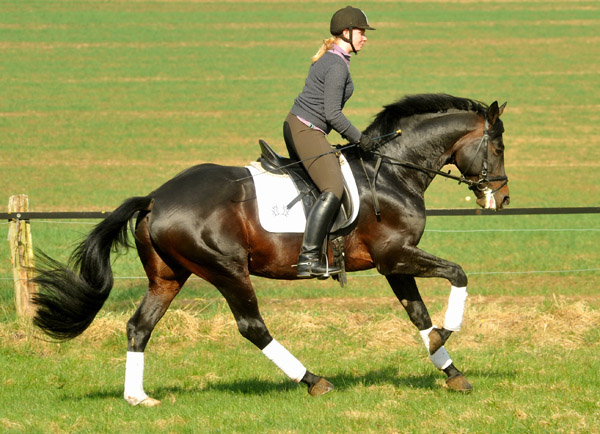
372,323
566,322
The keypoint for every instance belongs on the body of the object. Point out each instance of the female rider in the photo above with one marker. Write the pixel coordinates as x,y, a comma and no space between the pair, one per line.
316,111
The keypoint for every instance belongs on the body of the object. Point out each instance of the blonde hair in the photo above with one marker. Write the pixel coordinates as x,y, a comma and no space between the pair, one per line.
327,45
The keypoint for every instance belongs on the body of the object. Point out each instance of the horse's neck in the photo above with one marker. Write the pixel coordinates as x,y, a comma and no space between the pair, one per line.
425,140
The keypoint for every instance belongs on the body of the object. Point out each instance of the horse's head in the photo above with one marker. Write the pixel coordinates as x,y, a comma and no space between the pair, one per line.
480,158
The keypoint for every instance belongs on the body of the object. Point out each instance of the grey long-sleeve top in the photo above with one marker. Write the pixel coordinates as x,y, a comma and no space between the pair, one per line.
326,90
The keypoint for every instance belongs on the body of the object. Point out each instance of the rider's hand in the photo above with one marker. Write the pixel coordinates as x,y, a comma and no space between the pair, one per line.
365,143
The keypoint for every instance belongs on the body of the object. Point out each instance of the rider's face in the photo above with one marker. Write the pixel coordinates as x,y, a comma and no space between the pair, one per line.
358,38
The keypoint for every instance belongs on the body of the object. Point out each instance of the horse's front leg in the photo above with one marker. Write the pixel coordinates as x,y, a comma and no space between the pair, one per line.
405,288
416,262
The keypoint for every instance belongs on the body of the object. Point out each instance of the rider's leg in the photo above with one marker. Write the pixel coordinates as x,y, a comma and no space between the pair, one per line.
318,223
312,148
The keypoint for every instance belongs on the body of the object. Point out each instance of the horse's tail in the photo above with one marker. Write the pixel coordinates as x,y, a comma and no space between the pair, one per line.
71,295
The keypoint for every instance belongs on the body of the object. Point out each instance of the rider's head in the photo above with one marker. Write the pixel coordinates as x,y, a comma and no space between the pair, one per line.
345,21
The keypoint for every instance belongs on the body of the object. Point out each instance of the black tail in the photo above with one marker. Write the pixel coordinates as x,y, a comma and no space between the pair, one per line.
71,295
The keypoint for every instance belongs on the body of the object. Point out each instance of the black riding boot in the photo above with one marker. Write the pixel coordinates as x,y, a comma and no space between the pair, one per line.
318,223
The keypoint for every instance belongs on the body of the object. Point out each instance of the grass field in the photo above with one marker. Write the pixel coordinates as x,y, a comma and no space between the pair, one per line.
100,101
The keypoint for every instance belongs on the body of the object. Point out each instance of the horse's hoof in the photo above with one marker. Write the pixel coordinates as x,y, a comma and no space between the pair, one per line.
435,341
321,387
149,402
142,402
459,383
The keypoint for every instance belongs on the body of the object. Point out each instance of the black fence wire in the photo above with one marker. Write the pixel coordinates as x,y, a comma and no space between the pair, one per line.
430,212
68,215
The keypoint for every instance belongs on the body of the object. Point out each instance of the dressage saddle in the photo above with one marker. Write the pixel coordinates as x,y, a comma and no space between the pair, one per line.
308,192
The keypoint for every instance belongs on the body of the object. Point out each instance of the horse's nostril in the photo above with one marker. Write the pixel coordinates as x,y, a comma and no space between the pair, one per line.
506,201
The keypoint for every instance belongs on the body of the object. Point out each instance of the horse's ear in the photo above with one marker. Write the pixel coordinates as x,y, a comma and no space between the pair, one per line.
501,109
493,113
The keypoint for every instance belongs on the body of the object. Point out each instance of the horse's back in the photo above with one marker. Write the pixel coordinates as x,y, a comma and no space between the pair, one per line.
209,181
197,197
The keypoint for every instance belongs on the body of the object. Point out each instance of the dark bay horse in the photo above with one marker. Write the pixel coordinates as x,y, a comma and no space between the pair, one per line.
205,222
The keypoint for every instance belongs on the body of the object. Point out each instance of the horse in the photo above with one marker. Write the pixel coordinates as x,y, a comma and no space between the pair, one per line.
204,221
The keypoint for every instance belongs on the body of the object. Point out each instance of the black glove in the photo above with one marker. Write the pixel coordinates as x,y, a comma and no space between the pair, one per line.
365,143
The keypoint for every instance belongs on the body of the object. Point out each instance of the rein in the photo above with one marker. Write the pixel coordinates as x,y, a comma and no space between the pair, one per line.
335,150
481,184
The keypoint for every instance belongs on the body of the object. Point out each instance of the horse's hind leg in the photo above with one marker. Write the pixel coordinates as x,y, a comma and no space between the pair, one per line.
165,284
243,303
139,328
406,290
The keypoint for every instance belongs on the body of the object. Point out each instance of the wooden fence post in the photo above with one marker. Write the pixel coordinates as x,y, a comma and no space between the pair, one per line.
21,255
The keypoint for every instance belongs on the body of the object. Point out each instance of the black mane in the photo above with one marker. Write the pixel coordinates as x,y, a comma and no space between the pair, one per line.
412,105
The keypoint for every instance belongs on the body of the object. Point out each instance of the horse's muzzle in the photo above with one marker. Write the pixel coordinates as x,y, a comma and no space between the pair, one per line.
490,199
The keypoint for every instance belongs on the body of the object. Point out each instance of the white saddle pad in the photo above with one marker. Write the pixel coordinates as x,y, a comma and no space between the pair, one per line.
275,192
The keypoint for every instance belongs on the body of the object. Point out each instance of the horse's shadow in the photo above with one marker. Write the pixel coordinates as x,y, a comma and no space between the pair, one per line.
342,381
388,375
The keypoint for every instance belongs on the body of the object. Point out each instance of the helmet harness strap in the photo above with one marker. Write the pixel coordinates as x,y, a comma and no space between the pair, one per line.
349,40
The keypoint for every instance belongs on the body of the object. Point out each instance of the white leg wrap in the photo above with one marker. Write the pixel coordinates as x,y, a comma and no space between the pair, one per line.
425,336
441,359
284,360
456,309
134,378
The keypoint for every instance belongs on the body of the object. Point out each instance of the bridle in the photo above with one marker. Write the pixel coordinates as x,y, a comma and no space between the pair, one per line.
484,181
481,184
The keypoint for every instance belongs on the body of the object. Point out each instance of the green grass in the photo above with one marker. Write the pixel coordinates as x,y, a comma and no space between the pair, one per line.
101,101
116,91
209,379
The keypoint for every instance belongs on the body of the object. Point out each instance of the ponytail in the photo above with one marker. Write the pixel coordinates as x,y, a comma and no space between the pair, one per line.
327,45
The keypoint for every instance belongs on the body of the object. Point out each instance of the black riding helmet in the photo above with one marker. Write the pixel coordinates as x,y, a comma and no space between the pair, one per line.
348,18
